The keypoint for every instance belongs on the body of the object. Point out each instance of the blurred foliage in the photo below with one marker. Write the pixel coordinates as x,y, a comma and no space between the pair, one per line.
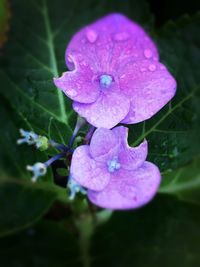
4,20
47,244
166,232
184,182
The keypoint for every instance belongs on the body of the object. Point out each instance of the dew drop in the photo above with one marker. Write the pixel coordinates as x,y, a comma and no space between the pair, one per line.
123,76
93,165
69,59
152,67
142,69
162,67
129,192
147,53
175,152
132,118
121,36
150,101
91,35
72,93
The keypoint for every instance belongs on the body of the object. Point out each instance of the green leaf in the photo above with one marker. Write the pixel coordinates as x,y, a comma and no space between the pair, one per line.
14,158
46,245
164,233
184,182
173,133
4,21
23,204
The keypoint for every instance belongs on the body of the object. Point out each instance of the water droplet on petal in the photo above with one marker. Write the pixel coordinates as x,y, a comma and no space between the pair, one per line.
91,35
150,101
147,53
142,69
123,76
121,36
152,67
132,118
129,192
69,59
93,165
72,93
162,67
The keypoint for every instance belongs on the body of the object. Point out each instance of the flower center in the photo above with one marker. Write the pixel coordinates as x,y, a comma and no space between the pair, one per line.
113,164
105,80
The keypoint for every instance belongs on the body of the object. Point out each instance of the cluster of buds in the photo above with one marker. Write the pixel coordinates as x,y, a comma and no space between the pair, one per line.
31,138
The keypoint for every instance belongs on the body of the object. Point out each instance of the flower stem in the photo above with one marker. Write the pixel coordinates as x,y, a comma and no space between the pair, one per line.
79,124
89,134
57,146
56,157
87,220
86,230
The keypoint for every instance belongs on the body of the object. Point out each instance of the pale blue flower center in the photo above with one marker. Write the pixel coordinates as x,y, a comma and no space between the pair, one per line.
28,137
113,164
38,169
74,188
106,80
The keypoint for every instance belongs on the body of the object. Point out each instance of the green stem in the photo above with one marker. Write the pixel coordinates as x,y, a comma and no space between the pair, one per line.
86,222
53,61
86,229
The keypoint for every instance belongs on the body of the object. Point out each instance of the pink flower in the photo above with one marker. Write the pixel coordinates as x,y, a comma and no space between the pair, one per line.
116,175
115,74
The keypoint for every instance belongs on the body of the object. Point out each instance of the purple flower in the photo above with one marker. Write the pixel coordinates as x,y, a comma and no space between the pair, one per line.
115,75
116,175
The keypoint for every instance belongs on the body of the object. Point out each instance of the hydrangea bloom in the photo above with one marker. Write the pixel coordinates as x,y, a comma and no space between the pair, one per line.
116,175
115,74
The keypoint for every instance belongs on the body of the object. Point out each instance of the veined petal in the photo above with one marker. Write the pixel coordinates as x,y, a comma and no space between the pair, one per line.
104,145
79,84
86,171
149,86
130,158
128,189
108,110
110,42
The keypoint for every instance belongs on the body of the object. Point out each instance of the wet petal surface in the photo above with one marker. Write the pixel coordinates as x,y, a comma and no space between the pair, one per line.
79,84
130,158
128,189
111,42
149,86
109,109
104,145
88,172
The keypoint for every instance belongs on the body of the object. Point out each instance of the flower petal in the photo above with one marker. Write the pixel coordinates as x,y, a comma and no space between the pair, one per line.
86,171
79,84
109,109
128,189
110,42
104,145
130,158
149,86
